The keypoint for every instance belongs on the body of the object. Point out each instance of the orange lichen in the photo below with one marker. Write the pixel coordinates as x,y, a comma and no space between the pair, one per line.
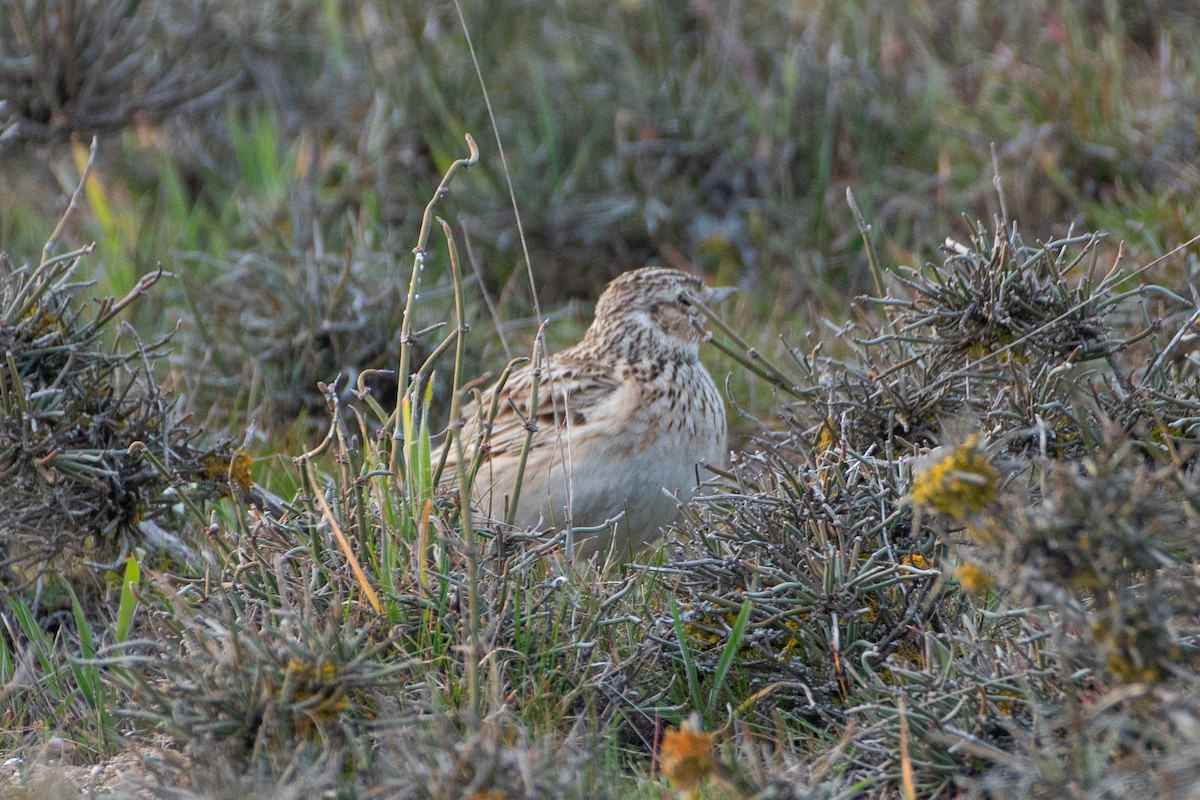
686,757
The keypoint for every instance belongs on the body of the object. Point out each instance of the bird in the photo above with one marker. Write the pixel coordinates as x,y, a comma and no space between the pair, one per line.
624,421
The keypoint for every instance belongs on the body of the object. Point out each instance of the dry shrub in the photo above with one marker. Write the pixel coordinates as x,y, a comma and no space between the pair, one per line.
94,456
97,66
958,600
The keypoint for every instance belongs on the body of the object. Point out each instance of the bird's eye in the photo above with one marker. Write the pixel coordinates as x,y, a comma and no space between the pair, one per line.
685,299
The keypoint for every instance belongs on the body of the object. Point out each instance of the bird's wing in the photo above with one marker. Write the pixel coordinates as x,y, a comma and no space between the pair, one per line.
568,388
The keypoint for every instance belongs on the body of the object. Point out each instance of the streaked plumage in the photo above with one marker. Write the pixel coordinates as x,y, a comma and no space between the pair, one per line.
625,413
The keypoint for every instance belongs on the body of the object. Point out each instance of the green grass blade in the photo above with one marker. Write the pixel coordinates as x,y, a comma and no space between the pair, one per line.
7,661
685,652
728,655
87,677
129,602
37,638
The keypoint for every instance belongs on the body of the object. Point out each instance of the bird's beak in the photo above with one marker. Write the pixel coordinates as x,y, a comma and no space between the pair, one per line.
719,294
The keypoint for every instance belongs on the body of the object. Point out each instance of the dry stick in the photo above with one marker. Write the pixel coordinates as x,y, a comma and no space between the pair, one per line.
62,221
872,260
468,533
486,421
1175,340
865,230
999,184
537,308
443,346
461,331
530,422
23,302
113,308
512,194
471,660
749,356
402,379
40,282
493,312
331,403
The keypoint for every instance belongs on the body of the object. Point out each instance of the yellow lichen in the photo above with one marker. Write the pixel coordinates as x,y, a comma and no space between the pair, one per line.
705,631
974,579
237,469
827,436
323,673
1128,671
957,482
314,689
792,643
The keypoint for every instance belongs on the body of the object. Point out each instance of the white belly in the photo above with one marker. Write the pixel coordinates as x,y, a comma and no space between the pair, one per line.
635,460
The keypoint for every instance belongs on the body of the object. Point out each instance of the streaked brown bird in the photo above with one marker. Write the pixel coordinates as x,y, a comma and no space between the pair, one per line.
623,421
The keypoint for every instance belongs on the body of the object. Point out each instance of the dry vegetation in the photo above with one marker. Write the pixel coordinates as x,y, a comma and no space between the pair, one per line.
954,555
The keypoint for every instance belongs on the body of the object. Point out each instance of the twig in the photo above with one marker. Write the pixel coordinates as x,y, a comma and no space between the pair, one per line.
72,204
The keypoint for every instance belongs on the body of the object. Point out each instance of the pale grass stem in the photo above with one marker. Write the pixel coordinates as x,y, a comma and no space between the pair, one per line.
530,421
343,542
72,204
419,255
748,356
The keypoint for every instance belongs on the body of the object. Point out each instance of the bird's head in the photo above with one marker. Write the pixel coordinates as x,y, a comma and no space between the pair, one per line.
654,308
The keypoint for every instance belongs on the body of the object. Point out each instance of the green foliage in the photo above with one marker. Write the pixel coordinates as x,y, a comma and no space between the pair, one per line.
129,602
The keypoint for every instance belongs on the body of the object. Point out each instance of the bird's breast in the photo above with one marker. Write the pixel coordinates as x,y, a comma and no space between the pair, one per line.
675,414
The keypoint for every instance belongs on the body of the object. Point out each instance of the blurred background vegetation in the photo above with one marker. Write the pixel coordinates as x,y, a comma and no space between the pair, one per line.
275,159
